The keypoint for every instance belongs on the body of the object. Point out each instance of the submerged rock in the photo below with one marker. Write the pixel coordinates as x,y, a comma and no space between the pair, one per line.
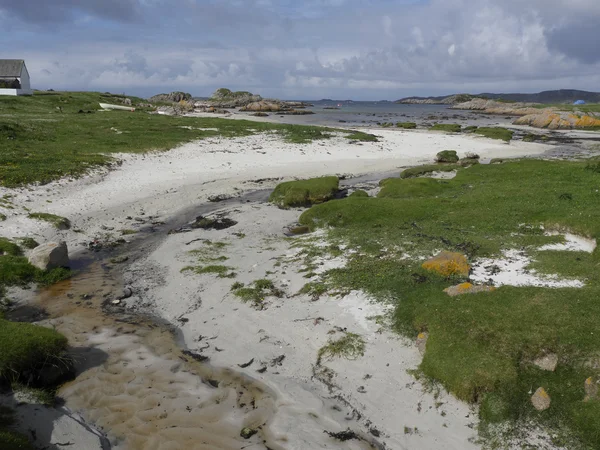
448,264
541,400
467,288
248,432
52,255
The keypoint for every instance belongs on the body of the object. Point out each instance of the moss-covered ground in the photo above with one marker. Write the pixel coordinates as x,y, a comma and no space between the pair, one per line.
481,346
305,192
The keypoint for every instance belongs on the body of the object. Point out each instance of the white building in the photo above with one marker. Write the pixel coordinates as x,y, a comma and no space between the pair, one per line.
14,78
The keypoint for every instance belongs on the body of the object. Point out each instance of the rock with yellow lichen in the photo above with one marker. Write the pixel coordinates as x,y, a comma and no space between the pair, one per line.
541,400
448,264
422,342
467,288
591,390
555,120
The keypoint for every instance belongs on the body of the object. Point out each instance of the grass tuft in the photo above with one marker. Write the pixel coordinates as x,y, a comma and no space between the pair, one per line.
350,346
424,170
305,192
362,137
448,127
257,292
61,223
495,133
407,125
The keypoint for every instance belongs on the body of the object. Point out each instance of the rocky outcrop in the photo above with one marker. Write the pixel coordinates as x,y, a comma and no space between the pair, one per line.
173,97
450,100
557,120
225,98
494,107
263,106
52,255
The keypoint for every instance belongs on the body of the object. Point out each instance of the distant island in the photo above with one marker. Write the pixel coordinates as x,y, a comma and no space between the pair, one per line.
546,97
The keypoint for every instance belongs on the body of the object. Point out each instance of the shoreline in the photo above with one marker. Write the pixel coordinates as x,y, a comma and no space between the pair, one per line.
140,193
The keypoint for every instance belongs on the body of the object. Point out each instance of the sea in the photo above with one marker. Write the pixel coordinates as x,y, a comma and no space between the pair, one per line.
334,113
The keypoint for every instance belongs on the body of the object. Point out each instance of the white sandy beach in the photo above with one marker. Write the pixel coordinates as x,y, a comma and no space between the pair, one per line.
373,395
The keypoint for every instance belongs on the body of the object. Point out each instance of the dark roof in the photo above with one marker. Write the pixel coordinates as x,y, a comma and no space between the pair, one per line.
11,67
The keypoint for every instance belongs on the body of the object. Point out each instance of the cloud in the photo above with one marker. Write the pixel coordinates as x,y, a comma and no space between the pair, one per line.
351,48
46,11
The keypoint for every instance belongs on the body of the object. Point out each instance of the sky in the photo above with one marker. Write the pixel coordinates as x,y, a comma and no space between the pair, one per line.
306,49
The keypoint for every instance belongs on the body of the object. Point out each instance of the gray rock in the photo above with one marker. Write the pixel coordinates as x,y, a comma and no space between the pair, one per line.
51,255
422,342
547,362
540,400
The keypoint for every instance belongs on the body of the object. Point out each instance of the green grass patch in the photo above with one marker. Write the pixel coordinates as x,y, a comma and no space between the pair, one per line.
257,292
447,156
220,271
350,346
425,170
314,289
128,232
7,247
480,346
411,188
469,129
448,127
362,137
11,440
305,192
25,347
61,223
495,133
359,193
407,125
28,243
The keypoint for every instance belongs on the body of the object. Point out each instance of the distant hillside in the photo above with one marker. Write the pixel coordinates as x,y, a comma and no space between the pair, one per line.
559,96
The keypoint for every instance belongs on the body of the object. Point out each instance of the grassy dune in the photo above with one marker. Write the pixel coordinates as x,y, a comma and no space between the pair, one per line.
481,345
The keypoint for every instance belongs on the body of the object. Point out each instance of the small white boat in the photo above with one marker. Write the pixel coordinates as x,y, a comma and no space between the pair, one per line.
118,107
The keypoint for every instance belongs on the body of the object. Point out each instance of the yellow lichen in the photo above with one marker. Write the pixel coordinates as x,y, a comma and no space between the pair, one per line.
448,264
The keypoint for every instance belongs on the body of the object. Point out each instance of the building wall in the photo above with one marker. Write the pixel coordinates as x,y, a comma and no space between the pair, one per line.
25,81
9,91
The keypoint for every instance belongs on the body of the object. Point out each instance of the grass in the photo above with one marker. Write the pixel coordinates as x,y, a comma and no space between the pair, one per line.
424,170
25,347
480,346
407,125
257,292
359,193
495,133
448,127
411,187
447,156
219,270
28,243
44,137
61,223
305,192
350,346
362,137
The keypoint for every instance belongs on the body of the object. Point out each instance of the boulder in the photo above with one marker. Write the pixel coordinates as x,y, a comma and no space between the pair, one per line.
467,288
591,390
50,256
422,342
540,400
547,362
174,97
263,106
448,264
